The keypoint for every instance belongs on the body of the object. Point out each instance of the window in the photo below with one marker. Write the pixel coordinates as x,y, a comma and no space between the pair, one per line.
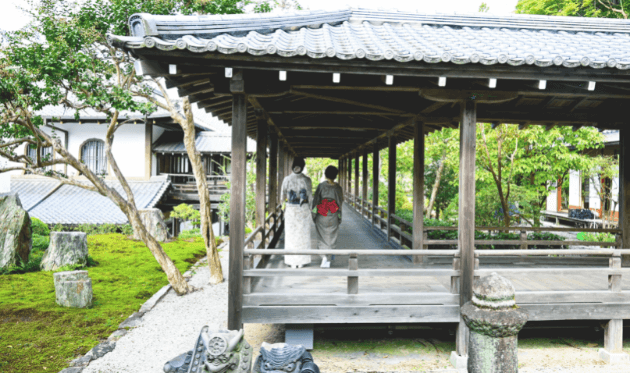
45,155
93,155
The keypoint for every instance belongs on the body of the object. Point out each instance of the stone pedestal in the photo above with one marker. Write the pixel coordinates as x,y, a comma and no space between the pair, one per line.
73,289
153,220
16,239
494,322
66,248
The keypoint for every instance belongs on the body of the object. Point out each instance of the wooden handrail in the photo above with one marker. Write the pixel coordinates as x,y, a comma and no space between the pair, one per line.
252,235
551,252
351,252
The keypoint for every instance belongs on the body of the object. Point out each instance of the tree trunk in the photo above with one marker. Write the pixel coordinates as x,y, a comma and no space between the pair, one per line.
128,207
436,184
216,272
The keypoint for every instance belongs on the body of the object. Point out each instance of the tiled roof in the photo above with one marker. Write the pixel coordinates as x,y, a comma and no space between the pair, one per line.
205,141
73,205
405,37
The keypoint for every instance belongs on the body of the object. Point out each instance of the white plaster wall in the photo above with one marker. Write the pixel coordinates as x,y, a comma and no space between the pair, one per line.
594,202
615,192
552,199
129,143
575,198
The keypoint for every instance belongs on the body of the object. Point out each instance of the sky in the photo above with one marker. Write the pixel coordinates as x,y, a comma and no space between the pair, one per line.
11,18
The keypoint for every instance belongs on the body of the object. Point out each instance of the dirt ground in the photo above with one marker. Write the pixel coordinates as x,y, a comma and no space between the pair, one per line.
379,349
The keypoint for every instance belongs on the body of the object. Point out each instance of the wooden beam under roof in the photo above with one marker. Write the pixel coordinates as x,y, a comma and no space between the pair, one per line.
338,112
384,67
256,104
347,101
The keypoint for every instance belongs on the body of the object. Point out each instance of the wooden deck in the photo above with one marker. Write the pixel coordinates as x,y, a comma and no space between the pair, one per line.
394,290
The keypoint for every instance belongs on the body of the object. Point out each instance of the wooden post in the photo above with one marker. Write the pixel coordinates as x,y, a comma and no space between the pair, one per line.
261,172
273,173
418,191
353,281
365,182
340,175
391,185
624,192
356,180
612,352
237,201
466,231
281,171
375,179
349,178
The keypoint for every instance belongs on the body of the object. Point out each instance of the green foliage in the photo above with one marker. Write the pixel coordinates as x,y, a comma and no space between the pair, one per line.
188,213
192,233
91,229
250,196
39,227
126,229
484,8
40,243
598,237
44,334
58,228
579,8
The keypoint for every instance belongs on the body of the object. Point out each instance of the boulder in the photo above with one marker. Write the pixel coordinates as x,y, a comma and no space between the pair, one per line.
73,289
153,220
66,248
16,238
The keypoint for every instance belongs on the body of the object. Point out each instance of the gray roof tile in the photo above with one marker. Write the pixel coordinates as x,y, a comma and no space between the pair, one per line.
73,205
205,141
405,37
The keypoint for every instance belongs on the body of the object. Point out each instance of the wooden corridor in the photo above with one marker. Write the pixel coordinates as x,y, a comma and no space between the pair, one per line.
569,287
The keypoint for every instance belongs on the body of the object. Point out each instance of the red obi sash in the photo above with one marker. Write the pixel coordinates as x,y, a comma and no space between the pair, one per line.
326,206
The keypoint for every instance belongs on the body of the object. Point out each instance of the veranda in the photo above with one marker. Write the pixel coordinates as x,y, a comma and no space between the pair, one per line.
347,83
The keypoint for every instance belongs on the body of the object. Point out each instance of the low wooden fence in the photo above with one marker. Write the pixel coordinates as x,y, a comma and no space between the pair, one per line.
294,305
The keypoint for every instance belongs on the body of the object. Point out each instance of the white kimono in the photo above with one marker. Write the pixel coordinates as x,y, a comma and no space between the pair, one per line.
297,190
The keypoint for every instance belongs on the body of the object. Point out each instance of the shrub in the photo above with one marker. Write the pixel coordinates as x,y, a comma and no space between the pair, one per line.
58,228
39,227
40,243
192,233
126,229
598,237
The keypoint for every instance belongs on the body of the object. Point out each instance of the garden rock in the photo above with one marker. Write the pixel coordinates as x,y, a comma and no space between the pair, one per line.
72,370
117,335
102,349
66,248
153,220
73,289
132,321
16,238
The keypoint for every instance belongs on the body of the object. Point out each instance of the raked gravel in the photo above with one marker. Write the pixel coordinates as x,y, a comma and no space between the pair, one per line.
170,328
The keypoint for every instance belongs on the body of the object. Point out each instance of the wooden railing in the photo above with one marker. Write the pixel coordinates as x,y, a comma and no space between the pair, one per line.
400,232
266,233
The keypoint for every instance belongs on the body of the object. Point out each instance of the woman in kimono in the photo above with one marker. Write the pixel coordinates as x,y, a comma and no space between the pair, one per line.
327,204
297,190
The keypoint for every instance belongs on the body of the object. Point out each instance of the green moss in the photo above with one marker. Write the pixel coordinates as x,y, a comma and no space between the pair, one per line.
39,227
37,333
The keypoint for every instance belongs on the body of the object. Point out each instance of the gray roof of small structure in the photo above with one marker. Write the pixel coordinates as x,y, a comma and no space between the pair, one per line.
405,37
205,141
67,204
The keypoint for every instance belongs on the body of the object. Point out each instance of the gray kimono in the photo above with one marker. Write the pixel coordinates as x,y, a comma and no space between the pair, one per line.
327,226
297,190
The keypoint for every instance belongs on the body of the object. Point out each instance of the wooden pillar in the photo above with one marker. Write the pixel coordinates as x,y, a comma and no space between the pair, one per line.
375,179
624,192
281,171
418,190
237,201
261,172
273,172
340,168
349,175
365,181
466,231
356,179
391,185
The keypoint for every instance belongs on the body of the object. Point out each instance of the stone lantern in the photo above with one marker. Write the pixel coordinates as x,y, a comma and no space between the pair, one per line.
494,321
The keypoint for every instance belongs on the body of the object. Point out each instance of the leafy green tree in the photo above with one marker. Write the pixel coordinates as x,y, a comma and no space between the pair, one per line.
580,8
187,213
484,8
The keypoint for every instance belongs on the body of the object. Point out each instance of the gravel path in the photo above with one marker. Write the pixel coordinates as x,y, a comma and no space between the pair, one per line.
170,328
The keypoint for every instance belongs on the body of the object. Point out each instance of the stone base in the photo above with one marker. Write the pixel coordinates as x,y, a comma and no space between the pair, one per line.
459,362
614,358
73,289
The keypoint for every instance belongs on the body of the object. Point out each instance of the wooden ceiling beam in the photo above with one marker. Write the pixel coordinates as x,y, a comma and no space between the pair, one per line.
346,101
285,112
